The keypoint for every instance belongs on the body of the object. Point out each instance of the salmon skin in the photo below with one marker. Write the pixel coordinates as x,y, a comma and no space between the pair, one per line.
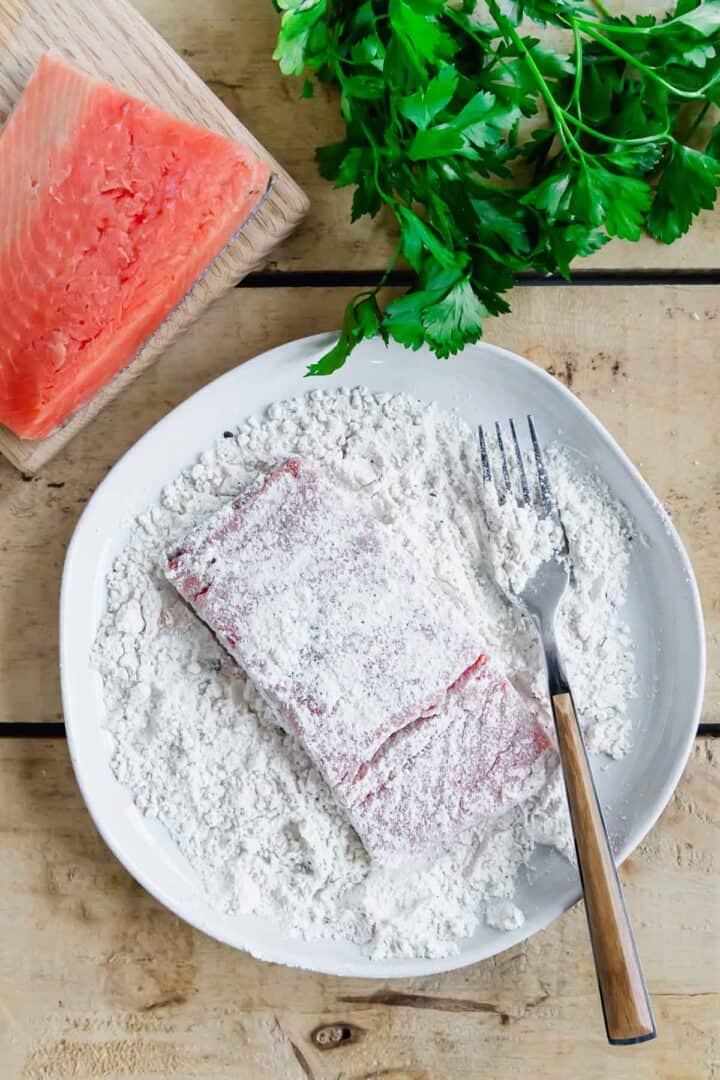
110,209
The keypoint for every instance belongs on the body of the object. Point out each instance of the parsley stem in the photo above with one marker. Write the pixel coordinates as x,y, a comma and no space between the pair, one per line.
566,136
610,28
575,98
618,28
599,7
661,136
388,269
390,199
689,95
698,120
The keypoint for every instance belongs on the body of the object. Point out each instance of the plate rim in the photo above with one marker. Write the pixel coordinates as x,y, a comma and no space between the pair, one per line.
369,968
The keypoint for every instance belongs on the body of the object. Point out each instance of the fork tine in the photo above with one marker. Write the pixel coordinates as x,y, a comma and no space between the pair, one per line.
484,457
503,457
524,486
546,494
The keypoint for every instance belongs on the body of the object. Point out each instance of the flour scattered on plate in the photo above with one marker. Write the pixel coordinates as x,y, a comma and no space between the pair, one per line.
200,750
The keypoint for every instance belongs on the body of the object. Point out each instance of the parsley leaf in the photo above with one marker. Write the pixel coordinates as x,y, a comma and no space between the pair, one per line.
440,141
687,186
301,20
423,106
704,18
454,321
420,31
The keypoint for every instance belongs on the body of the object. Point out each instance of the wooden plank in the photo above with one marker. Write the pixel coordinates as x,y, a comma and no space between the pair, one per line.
109,39
644,359
96,979
230,43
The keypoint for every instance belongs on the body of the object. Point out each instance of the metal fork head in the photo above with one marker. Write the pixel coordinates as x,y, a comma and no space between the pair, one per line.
543,591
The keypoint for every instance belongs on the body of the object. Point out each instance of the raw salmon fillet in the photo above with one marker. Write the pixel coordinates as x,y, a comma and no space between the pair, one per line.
110,209
364,656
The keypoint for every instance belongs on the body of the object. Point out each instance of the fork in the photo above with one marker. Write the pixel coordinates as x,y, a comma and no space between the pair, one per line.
623,993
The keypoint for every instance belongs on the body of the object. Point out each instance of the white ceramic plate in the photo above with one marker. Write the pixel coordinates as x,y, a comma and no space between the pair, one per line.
483,383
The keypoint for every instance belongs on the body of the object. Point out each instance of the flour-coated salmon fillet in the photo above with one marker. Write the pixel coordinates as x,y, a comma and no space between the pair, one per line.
110,209
480,754
337,621
365,657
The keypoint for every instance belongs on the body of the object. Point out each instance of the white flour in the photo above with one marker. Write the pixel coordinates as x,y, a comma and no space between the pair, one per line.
199,749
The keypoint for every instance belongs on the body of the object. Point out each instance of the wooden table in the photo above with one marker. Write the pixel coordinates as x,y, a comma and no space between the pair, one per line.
98,980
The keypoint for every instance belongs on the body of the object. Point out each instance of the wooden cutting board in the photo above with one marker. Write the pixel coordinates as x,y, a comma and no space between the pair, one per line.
110,39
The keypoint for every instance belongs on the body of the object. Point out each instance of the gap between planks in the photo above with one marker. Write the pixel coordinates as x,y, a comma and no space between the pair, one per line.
323,279
56,730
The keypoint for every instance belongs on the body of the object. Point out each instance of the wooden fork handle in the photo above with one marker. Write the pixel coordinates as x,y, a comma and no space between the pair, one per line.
624,996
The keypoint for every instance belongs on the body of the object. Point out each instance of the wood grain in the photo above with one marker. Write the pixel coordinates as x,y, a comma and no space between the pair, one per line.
97,980
626,1008
646,360
110,39
230,43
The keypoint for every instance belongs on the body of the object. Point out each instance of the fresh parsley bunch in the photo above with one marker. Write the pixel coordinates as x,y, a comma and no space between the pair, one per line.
433,94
